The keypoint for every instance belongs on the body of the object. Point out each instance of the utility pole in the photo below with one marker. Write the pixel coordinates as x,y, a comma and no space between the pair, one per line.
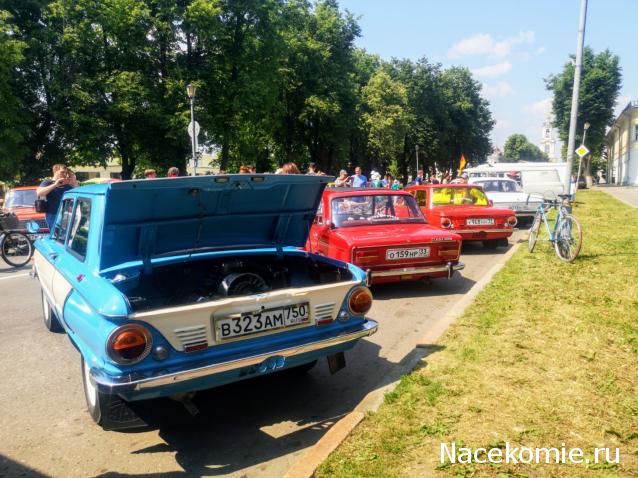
575,95
192,127
416,148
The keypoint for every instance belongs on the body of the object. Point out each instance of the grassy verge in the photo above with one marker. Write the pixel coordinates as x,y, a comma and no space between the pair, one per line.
548,355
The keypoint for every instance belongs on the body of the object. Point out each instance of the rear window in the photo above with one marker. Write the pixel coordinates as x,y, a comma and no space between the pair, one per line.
459,196
20,198
352,211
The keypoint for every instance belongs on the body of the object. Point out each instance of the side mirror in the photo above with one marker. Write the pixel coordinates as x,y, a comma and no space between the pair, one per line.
33,227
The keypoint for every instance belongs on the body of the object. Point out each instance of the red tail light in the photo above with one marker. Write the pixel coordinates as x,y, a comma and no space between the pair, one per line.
446,222
129,344
365,257
449,251
512,221
360,301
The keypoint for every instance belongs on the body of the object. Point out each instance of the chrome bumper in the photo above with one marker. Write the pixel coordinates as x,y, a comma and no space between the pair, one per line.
475,231
449,268
128,384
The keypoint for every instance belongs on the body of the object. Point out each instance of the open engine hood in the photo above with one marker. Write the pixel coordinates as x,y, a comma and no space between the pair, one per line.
149,218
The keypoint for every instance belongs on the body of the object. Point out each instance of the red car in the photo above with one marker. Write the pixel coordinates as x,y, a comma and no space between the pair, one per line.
21,202
465,209
384,232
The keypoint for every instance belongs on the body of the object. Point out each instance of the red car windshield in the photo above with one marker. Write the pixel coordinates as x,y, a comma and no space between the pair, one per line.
350,211
459,196
20,198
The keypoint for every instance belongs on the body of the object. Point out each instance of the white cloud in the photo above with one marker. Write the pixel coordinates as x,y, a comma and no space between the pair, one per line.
540,108
502,124
484,44
493,70
621,102
498,90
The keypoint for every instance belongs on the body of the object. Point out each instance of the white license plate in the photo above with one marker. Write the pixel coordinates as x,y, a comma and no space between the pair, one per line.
480,221
261,321
414,253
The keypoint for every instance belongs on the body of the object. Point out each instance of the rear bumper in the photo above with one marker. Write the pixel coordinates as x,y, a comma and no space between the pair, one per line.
449,268
484,231
128,384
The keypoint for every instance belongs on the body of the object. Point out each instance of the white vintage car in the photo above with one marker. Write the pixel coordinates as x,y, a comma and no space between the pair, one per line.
506,193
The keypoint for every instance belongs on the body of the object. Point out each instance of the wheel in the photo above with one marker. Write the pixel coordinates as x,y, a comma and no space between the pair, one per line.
533,233
16,249
109,411
569,238
491,244
51,321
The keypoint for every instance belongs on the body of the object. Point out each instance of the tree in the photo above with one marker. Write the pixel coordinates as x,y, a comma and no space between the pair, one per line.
518,148
600,85
386,118
13,130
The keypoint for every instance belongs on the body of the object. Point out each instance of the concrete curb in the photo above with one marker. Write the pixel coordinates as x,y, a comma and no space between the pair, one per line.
310,460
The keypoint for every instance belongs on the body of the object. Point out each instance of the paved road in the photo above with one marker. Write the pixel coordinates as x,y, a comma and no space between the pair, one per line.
626,194
255,428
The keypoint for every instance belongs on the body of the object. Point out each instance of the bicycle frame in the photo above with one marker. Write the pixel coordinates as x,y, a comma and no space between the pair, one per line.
551,233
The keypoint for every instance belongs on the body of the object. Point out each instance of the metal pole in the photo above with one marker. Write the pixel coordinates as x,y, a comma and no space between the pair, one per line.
193,137
575,95
580,162
417,162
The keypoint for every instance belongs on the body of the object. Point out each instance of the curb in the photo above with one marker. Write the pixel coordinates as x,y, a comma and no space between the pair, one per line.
309,461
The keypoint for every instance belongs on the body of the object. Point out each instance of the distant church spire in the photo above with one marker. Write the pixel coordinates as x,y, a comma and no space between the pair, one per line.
549,141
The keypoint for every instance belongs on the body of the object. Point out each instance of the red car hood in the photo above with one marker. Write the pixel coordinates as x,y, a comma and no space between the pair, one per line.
382,235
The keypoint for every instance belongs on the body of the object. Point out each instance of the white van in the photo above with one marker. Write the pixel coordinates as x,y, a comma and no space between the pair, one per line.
540,178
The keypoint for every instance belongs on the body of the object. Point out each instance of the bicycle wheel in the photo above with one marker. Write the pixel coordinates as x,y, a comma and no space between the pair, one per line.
569,238
16,249
533,233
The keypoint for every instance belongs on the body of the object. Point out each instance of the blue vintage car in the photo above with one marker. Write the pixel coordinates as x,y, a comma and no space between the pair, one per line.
170,286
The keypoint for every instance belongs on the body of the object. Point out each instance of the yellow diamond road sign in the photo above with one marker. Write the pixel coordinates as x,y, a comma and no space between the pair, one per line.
582,150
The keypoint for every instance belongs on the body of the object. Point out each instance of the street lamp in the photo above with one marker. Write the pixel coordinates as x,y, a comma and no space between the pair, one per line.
191,89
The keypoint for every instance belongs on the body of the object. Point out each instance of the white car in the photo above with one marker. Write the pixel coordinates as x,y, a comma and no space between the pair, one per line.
506,193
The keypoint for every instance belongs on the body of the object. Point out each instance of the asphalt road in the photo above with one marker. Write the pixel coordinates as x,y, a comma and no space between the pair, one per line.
254,428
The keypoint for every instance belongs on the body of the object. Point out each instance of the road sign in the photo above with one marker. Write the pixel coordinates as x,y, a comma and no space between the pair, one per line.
582,151
190,129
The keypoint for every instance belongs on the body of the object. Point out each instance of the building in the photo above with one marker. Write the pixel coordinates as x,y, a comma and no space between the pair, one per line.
549,143
622,147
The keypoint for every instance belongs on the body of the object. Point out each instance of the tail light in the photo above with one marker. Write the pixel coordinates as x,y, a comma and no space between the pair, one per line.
446,222
360,301
129,344
512,221
449,251
366,257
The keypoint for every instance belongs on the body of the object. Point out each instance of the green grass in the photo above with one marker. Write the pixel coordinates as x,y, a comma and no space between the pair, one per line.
548,354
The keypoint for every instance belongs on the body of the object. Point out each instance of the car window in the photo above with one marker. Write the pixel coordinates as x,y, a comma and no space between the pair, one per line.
62,221
459,196
421,198
20,198
348,211
79,235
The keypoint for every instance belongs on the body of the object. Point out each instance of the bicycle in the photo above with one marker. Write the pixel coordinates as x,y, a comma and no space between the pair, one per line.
16,248
567,235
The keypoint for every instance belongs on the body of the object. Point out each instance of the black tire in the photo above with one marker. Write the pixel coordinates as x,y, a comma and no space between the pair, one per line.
49,318
491,244
533,233
16,249
569,239
109,411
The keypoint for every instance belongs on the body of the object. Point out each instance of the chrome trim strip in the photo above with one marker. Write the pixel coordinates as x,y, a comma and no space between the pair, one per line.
418,270
466,231
130,385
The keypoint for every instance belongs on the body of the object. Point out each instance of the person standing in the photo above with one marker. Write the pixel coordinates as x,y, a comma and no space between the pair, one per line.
150,174
53,189
173,172
343,181
359,180
312,169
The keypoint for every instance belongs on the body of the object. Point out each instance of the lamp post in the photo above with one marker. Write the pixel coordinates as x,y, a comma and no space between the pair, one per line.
191,89
416,148
580,160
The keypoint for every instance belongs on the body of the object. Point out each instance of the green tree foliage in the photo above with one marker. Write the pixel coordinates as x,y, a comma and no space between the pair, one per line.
601,80
518,148
13,131
87,81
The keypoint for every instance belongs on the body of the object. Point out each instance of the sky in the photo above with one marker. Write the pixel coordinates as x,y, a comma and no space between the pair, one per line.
509,45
